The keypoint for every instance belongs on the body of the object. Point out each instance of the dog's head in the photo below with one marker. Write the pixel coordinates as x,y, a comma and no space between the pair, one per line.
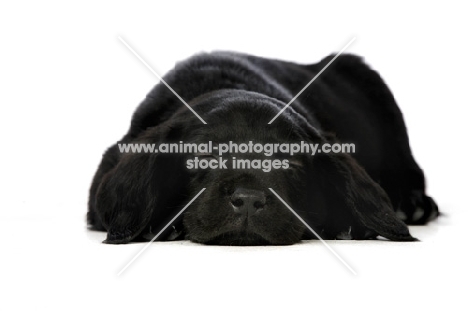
330,192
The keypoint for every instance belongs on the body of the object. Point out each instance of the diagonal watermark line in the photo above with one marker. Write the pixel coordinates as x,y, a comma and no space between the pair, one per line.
157,235
313,79
313,231
159,77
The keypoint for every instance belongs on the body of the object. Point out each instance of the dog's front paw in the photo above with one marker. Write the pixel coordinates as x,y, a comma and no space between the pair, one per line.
418,209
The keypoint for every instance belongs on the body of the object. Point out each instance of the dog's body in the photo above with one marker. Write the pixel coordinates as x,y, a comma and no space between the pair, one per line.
354,196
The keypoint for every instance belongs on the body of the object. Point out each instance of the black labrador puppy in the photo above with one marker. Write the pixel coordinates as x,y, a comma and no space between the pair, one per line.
372,192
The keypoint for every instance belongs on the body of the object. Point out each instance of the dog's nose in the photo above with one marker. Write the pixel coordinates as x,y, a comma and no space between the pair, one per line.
247,201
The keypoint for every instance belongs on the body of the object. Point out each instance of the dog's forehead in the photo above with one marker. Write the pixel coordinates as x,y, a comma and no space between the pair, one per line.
243,116
242,131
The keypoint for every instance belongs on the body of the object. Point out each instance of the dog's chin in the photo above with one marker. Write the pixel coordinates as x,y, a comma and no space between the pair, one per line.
244,238
239,238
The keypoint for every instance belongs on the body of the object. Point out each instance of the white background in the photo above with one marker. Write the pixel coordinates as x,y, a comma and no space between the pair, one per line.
68,88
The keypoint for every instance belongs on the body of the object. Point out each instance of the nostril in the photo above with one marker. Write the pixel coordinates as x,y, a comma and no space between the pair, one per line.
258,204
237,202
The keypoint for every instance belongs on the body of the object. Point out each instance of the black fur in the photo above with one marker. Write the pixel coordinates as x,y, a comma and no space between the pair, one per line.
355,196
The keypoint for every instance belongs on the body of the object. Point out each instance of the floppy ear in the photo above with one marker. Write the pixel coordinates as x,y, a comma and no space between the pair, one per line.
359,203
142,190
126,197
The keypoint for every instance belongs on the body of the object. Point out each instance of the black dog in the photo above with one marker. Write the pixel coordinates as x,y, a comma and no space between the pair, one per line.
370,193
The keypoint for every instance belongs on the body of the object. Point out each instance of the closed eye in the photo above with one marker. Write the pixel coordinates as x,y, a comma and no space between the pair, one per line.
205,155
295,163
